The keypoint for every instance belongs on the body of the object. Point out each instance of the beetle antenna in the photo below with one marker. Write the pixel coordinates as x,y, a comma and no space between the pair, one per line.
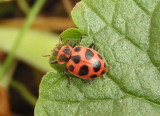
60,40
47,55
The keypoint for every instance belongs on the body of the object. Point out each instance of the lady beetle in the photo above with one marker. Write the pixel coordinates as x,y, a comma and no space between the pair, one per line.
81,61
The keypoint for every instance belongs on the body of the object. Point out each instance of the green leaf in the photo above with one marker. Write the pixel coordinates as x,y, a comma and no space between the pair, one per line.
154,48
71,34
127,34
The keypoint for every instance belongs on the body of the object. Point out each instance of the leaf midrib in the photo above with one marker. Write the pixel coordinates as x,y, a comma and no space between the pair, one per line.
100,100
128,94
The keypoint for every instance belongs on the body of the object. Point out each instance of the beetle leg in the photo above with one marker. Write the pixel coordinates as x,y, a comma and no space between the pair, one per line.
77,42
54,62
88,81
60,39
69,80
74,45
92,45
66,41
70,43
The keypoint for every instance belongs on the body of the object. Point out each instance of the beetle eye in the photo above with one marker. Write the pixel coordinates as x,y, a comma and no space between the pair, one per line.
56,50
59,47
55,53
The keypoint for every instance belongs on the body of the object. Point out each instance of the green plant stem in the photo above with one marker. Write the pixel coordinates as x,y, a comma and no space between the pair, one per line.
8,76
23,6
34,11
24,92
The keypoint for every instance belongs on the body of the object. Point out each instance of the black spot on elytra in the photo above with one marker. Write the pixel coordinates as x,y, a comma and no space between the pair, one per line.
59,47
89,54
77,49
76,59
102,72
71,68
67,51
100,57
83,70
93,76
97,66
63,58
105,65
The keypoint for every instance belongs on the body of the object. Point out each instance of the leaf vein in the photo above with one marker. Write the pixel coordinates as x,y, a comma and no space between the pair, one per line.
76,114
112,27
129,93
124,37
44,109
55,83
86,100
142,8
106,99
153,36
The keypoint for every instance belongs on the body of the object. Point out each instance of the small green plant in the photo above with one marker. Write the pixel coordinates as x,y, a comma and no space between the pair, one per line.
127,34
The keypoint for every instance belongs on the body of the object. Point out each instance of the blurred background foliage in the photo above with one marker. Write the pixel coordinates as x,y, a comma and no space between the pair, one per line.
23,75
